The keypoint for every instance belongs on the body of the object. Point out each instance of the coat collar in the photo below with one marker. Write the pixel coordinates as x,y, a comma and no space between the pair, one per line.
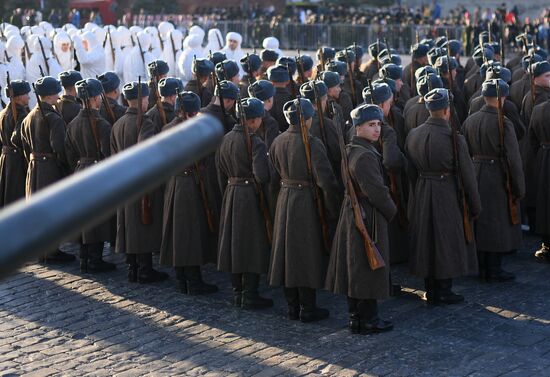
364,143
437,122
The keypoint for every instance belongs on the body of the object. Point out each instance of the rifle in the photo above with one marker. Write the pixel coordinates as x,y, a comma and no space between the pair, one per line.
204,196
451,86
257,187
468,233
44,55
300,68
41,70
112,47
513,209
373,254
321,65
11,97
92,123
160,40
292,82
199,84
351,81
315,189
174,50
142,54
320,114
146,216
222,105
154,79
107,106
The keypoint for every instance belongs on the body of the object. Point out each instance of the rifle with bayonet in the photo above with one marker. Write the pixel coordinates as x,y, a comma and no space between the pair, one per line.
292,82
373,254
113,53
351,80
146,215
155,82
142,54
220,96
300,68
160,40
513,208
108,108
320,113
317,197
264,209
44,55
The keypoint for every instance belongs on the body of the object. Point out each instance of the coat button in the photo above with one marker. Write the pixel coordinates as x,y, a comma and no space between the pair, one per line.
299,186
246,182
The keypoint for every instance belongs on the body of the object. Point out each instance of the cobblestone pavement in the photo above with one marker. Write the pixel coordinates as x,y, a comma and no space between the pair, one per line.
57,321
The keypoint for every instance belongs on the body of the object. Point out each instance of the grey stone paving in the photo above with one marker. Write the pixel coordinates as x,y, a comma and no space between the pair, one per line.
57,321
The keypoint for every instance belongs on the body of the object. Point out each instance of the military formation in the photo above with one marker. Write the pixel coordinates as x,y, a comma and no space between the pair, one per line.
332,167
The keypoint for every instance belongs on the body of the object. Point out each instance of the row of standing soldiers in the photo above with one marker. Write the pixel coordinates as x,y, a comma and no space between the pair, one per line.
331,173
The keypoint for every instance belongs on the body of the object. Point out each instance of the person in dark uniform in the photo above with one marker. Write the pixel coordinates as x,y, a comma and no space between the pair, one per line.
87,143
279,77
111,86
139,223
344,98
494,233
306,66
346,56
519,88
228,70
325,131
335,111
215,58
189,227
269,57
244,246
419,54
473,78
373,65
68,105
439,249
290,64
158,69
229,93
324,55
349,272
269,129
455,50
168,88
395,73
251,64
202,70
43,142
299,255
13,166
415,112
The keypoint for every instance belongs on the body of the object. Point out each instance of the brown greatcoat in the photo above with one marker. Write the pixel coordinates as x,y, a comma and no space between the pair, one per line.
438,245
43,142
13,166
349,272
243,244
134,237
493,229
118,110
186,237
298,257
539,139
82,152
69,107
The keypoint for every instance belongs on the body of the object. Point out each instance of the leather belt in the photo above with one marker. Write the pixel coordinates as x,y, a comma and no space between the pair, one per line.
9,150
87,160
42,156
240,181
482,159
293,183
435,175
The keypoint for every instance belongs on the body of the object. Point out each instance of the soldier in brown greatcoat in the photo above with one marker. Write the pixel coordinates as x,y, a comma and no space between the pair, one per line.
13,166
43,141
419,54
439,250
168,87
243,169
189,225
251,64
279,77
87,143
111,87
202,70
493,160
415,112
298,258
68,105
139,223
349,272
269,129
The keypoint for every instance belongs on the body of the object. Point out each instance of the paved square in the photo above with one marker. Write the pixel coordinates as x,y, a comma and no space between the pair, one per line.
57,321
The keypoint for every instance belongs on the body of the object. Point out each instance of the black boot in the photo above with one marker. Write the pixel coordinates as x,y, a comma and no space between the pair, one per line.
131,260
429,285
309,312
182,282
83,258
146,273
57,257
354,323
293,301
251,299
195,285
237,284
493,269
95,259
543,254
444,293
370,322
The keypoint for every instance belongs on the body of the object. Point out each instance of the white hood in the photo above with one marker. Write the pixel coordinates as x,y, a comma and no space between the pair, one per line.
215,40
